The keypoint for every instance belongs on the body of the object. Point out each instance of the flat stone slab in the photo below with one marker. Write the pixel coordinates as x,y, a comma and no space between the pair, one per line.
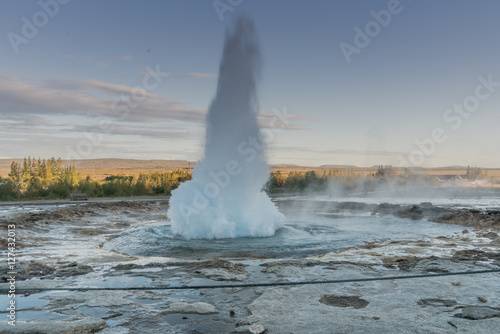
344,301
87,325
194,308
479,313
437,302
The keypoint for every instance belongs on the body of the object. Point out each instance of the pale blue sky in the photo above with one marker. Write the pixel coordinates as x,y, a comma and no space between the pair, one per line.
62,83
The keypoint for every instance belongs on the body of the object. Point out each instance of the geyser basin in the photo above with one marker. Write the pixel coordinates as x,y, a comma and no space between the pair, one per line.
307,232
225,198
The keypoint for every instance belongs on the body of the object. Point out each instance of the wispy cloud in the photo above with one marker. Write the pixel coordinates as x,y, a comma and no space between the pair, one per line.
272,121
197,75
29,135
287,116
39,115
25,120
146,131
95,98
91,97
126,57
338,151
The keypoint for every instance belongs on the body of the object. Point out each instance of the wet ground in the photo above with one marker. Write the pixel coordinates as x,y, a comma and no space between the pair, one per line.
129,243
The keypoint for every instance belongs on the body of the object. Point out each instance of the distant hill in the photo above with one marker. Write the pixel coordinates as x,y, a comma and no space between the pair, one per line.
338,166
377,166
114,164
136,164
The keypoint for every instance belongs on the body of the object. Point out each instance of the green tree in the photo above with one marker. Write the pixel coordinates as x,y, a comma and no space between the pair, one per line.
474,173
7,189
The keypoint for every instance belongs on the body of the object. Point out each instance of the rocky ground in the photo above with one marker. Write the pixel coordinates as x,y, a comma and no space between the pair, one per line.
64,247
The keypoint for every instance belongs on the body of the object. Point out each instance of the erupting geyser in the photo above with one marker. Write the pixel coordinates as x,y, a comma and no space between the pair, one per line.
225,198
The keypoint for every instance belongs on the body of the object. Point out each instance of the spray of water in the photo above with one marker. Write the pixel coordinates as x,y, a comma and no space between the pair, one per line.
225,198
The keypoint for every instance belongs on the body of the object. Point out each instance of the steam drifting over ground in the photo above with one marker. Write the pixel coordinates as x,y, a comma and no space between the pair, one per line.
225,197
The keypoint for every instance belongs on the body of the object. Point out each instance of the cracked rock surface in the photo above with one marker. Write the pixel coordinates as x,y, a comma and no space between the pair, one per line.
60,249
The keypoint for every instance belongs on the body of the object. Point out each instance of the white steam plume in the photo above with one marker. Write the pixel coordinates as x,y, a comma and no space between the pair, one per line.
225,198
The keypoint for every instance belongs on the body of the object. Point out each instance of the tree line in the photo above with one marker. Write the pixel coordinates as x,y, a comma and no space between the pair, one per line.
296,181
40,178
346,180
474,173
